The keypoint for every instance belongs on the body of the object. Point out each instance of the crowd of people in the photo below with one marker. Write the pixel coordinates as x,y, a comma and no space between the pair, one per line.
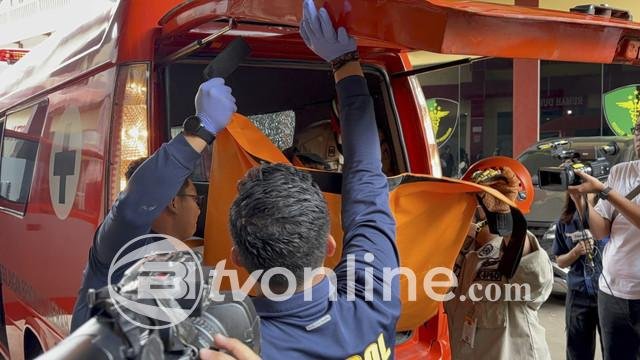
280,219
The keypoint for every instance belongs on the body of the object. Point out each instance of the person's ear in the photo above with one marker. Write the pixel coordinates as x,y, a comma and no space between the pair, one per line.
331,245
173,206
235,257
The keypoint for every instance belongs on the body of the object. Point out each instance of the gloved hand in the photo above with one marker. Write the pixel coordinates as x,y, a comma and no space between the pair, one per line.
215,104
318,33
503,180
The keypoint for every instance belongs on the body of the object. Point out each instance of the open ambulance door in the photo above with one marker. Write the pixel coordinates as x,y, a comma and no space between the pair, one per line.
432,213
440,26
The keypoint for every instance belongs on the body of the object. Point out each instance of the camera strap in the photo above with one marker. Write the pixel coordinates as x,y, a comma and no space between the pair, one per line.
630,196
512,252
513,228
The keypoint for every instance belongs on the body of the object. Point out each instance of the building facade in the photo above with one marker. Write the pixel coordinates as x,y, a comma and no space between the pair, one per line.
573,99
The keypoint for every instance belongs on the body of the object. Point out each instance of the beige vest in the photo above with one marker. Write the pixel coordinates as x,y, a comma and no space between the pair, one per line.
503,329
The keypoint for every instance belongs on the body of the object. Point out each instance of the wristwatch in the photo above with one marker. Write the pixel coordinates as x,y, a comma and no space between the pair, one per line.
193,126
604,194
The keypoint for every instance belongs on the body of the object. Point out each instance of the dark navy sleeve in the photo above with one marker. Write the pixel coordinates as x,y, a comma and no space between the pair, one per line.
559,246
367,222
148,192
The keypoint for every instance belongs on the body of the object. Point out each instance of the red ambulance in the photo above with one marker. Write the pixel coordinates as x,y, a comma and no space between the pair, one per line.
114,85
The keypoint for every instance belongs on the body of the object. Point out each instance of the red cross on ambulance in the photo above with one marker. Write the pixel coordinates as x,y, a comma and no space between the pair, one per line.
65,160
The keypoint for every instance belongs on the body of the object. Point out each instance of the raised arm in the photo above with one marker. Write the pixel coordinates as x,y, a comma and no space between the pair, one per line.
601,216
160,177
369,227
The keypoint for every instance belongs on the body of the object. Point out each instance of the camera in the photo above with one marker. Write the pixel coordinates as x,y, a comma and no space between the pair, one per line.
116,332
588,159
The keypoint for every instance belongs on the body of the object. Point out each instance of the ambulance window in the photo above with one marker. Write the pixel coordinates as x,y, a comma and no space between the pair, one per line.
21,132
278,126
294,104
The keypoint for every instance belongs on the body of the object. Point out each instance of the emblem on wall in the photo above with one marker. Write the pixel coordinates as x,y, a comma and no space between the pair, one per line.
621,109
444,118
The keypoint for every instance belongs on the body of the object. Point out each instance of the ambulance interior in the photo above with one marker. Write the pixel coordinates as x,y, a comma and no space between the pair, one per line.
294,104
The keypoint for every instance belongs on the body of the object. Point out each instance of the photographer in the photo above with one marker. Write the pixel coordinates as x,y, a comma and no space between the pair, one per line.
573,247
619,218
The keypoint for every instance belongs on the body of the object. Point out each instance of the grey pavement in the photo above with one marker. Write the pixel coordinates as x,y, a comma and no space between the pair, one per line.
552,317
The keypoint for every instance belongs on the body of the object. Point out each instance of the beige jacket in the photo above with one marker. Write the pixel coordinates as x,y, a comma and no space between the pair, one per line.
503,329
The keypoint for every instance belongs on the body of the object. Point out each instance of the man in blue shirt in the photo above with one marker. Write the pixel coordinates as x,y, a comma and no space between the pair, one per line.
280,219
159,196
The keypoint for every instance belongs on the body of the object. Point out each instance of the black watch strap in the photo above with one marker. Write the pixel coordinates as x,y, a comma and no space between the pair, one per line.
193,126
604,194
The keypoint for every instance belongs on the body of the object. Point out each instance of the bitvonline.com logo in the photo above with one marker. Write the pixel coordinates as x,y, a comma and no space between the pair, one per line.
161,280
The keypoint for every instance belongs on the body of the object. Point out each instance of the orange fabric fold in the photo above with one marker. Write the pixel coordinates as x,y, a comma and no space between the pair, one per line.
432,214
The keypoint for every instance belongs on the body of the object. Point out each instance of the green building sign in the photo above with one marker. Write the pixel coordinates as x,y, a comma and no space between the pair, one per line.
621,109
444,118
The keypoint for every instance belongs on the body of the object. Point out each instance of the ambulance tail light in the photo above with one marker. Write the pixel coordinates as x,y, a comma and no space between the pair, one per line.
130,126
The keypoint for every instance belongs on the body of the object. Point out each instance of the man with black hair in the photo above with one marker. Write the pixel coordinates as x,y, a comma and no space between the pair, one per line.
159,196
280,219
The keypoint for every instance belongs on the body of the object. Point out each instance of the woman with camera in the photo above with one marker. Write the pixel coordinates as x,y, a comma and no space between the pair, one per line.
573,247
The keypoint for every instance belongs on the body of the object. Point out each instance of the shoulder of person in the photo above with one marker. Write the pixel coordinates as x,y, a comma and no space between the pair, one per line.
623,169
561,226
533,242
625,166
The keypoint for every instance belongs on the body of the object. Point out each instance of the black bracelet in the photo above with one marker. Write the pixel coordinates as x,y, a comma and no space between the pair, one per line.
344,59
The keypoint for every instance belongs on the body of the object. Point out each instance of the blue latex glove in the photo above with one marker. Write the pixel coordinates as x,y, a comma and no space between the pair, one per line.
318,33
215,104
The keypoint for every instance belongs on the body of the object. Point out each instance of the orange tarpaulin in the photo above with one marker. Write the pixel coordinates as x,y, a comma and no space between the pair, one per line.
432,214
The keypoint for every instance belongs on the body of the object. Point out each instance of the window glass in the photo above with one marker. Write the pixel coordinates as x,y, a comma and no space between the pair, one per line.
441,89
535,159
278,126
19,149
481,96
570,99
294,106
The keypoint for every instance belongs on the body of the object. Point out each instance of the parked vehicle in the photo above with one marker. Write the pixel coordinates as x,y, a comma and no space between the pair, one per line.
547,205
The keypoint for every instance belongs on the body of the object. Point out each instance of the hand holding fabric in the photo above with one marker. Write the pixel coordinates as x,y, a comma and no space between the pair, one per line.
215,105
319,34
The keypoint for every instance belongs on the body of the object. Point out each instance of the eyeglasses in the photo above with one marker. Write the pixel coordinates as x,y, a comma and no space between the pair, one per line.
199,199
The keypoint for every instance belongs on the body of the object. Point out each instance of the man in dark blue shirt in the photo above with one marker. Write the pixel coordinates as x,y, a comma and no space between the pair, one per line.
159,197
280,220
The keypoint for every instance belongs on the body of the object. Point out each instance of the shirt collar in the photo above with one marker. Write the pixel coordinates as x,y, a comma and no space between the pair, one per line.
296,304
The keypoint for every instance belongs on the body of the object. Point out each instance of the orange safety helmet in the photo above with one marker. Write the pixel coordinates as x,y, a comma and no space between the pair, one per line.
524,199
